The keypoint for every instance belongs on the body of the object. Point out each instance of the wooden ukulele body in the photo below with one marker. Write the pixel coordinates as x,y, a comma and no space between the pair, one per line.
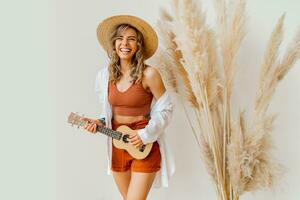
125,144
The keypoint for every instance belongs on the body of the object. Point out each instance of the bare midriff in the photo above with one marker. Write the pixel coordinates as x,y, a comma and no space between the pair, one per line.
129,119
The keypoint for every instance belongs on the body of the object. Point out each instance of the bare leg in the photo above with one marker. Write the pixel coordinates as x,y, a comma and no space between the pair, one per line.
122,180
140,185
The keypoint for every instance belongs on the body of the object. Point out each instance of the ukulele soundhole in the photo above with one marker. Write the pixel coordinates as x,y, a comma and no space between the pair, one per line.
125,138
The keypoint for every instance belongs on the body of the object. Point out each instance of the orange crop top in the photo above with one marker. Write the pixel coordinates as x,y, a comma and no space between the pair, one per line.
133,102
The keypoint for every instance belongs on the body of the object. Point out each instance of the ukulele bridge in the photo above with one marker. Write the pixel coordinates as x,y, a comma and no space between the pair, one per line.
125,140
142,148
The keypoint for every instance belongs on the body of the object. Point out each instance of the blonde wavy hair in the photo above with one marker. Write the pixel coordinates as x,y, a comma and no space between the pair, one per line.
137,61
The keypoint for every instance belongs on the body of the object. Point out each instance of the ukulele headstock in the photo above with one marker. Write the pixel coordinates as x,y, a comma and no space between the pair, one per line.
75,119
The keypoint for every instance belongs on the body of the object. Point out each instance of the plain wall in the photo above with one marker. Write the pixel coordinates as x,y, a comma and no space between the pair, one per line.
50,59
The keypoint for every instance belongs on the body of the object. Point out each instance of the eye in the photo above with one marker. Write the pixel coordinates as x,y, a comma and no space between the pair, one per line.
132,38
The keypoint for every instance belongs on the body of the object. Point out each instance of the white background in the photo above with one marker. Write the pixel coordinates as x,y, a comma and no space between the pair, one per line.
50,57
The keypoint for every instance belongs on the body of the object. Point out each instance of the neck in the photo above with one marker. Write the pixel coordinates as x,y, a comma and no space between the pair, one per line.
125,66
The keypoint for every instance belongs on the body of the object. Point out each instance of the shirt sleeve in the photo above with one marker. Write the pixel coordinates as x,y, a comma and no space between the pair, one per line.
161,115
99,90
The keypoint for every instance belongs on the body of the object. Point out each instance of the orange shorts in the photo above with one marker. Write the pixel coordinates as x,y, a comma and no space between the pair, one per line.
123,161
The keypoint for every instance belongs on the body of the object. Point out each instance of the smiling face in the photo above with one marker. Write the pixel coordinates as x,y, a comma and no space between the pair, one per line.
126,47
126,44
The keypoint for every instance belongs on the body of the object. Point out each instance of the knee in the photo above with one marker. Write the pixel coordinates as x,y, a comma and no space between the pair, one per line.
135,197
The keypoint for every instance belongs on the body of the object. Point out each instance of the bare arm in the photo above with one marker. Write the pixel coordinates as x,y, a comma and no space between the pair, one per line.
153,81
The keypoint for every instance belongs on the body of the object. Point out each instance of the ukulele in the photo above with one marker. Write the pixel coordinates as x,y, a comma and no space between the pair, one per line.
120,137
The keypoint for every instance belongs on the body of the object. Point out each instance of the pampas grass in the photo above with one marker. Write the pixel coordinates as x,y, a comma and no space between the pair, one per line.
199,64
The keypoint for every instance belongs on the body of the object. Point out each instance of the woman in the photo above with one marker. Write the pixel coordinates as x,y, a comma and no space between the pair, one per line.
133,94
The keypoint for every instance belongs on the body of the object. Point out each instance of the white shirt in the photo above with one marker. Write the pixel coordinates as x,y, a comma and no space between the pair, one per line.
161,113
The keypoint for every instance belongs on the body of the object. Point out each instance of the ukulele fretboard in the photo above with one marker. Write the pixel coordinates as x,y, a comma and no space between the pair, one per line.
109,132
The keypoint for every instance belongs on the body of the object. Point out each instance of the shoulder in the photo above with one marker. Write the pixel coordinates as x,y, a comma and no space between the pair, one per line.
151,73
153,81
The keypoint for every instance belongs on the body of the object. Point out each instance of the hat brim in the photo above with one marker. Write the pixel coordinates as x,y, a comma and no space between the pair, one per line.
107,26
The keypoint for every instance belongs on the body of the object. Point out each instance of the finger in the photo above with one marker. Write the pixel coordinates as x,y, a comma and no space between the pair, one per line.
95,128
133,140
92,121
86,125
137,146
137,142
90,127
134,137
131,137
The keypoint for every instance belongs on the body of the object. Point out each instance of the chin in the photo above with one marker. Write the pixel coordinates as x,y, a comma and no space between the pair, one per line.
125,57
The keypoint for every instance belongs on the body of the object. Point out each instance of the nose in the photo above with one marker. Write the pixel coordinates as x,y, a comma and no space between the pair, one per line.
124,42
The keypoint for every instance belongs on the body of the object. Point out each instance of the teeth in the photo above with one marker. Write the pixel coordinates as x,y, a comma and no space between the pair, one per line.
125,50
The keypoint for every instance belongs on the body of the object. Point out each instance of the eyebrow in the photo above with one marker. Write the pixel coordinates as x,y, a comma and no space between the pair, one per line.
128,36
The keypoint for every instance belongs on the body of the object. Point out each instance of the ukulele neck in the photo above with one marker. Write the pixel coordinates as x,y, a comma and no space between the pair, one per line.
109,132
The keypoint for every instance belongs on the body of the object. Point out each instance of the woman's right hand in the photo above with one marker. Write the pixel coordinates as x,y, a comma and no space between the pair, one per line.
91,124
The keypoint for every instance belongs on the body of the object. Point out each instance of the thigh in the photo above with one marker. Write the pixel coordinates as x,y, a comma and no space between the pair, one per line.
140,185
122,180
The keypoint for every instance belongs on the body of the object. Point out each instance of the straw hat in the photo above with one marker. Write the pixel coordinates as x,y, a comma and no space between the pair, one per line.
107,26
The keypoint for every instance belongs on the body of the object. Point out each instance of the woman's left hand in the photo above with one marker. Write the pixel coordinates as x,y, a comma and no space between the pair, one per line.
136,141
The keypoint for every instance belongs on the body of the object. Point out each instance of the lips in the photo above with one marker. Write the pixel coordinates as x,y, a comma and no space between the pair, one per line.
125,50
